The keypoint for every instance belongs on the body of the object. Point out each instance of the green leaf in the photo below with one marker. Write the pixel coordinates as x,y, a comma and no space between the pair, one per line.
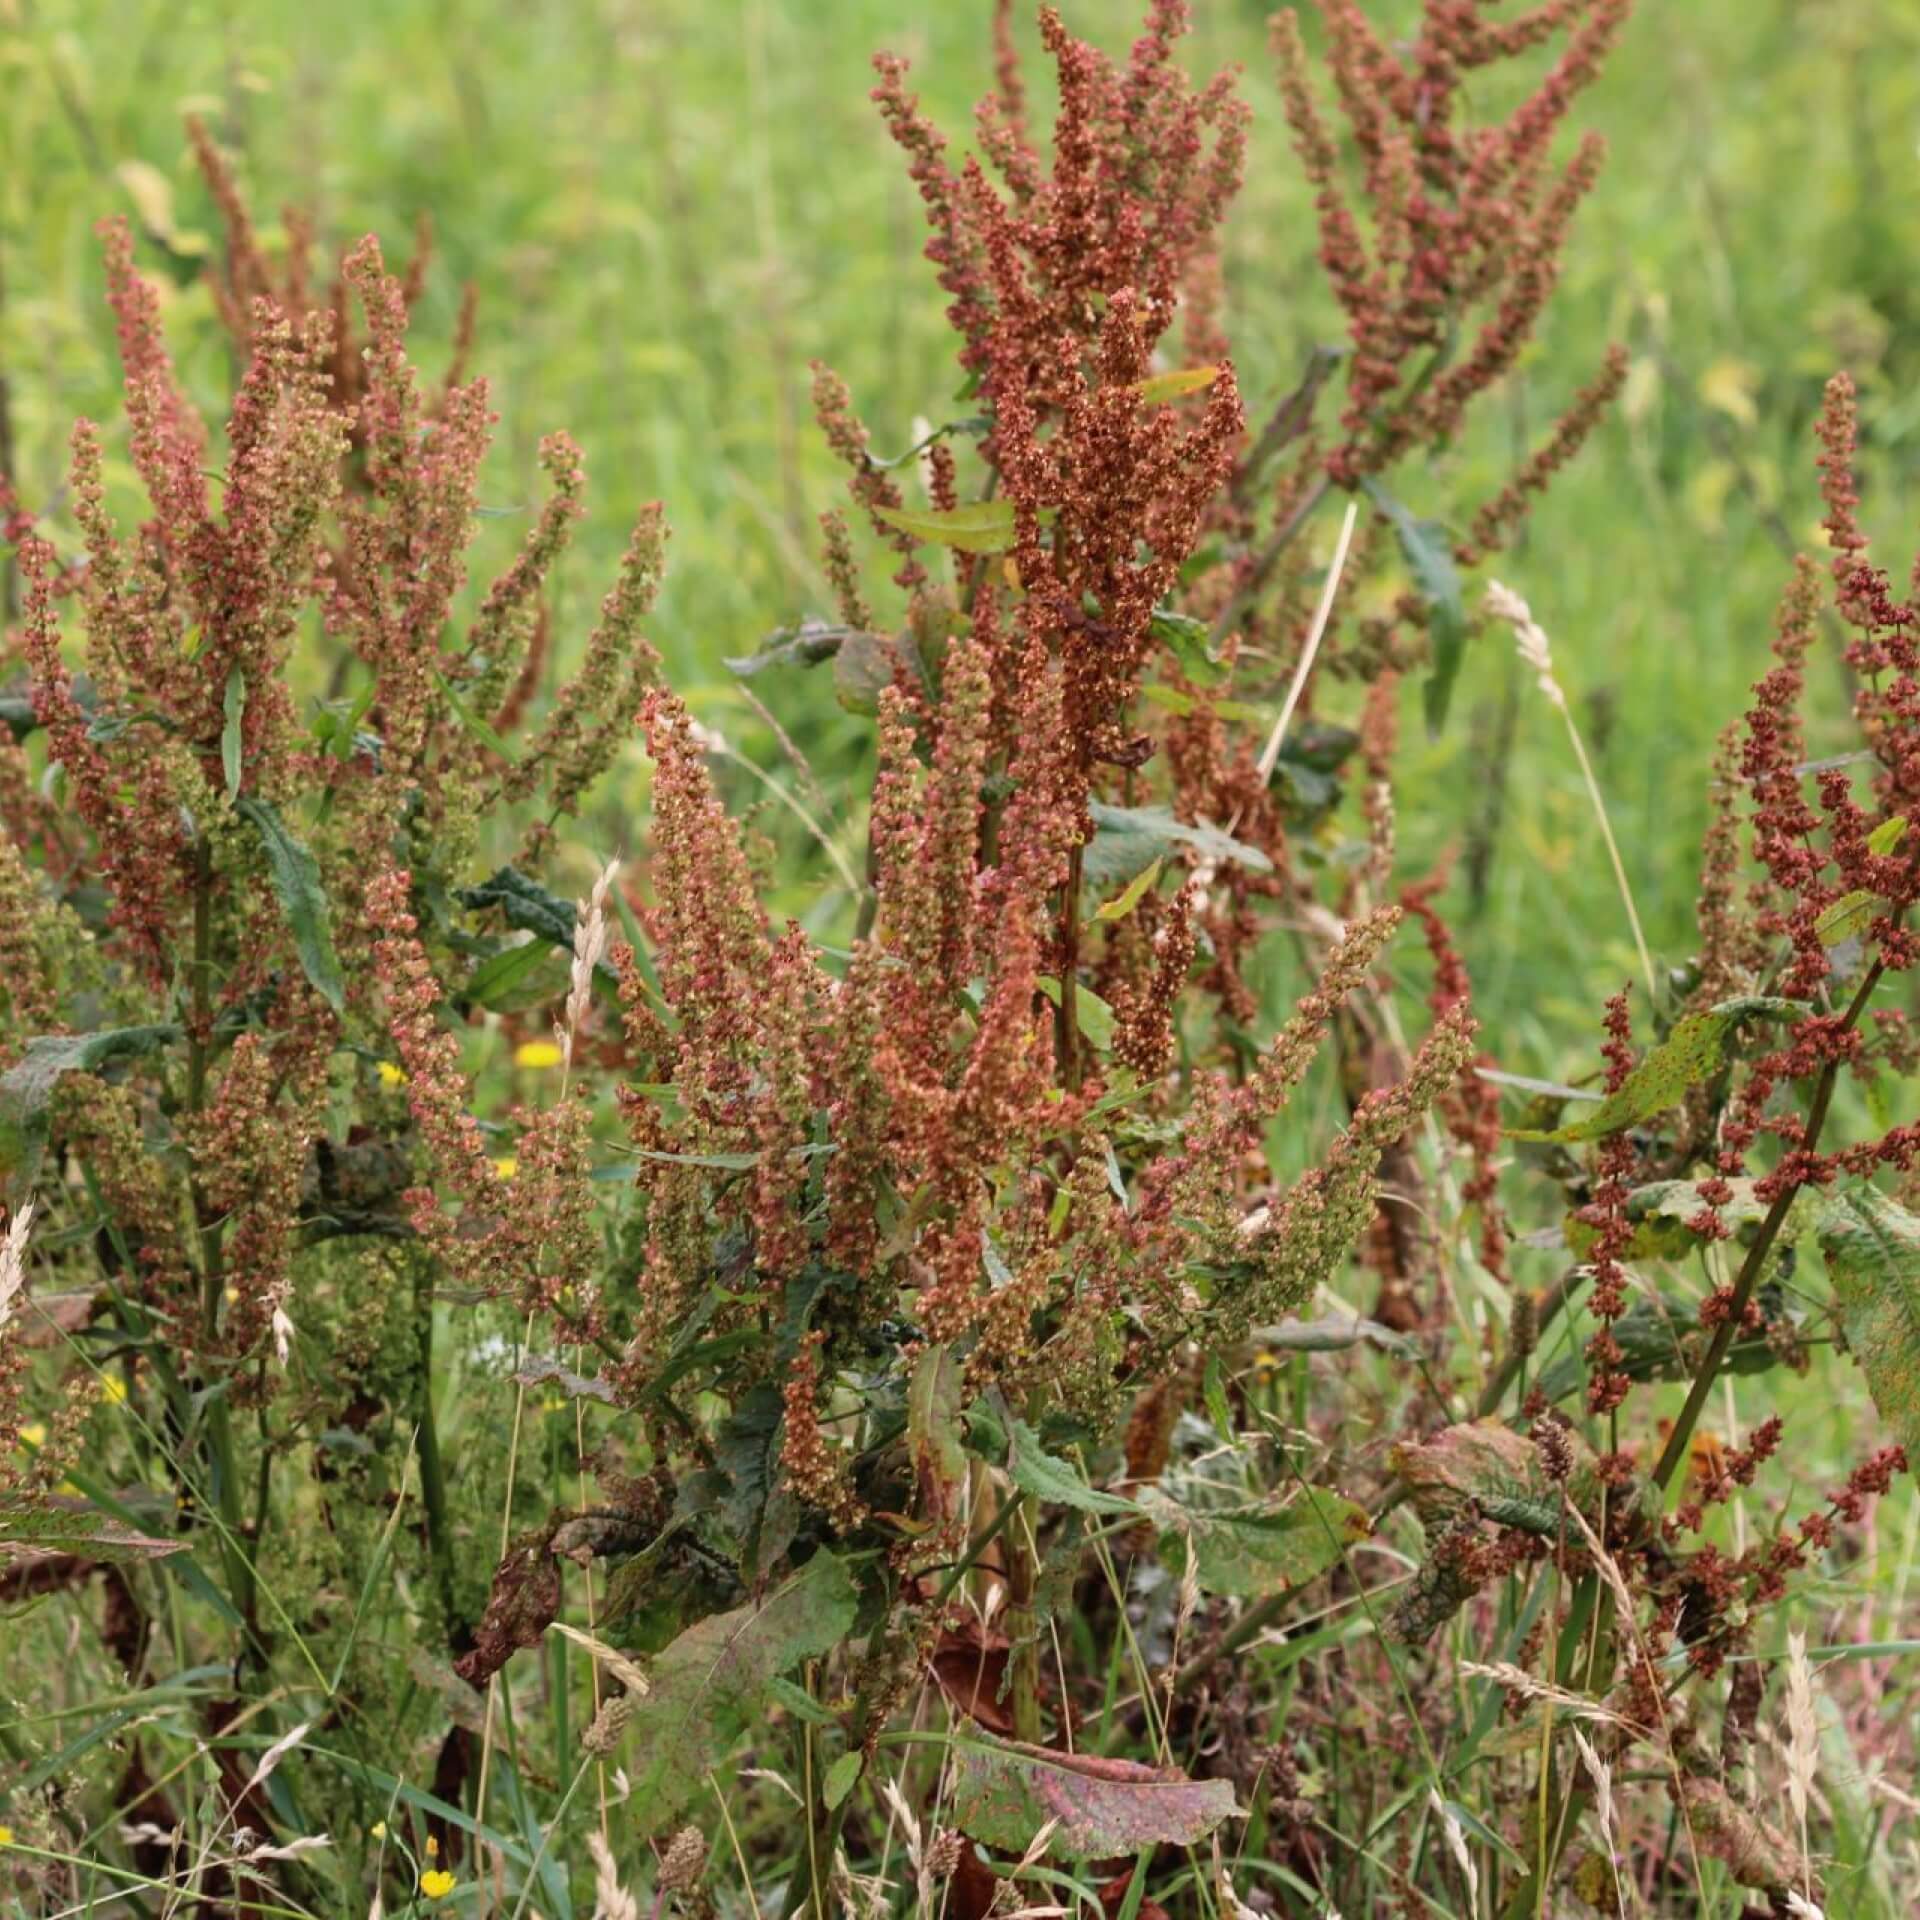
1004,1792
1054,1481
867,664
236,707
804,645
1872,1249
1249,1553
1176,385
710,1685
39,1530
532,908
841,1777
1187,639
525,904
757,1508
482,729
1091,1015
797,1700
1848,917
718,1162
296,879
981,526
28,1085
1887,835
1659,1339
1127,840
391,1787
1428,552
1694,1051
499,981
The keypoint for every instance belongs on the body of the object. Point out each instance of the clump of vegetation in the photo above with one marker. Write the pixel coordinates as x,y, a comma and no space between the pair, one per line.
474,1366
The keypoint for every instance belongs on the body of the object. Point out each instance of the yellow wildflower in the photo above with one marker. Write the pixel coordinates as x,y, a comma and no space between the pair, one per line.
436,1883
113,1390
390,1075
34,1433
6,1836
506,1166
378,1829
536,1053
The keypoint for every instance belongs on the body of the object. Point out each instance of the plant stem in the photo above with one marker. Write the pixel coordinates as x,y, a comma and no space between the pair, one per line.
433,1480
1023,1631
1264,561
980,1543
1679,1441
824,1840
1069,1022
222,1460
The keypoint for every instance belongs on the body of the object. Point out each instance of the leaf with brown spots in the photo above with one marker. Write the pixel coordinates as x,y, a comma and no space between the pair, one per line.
1005,1791
710,1685
38,1530
1693,1052
1483,1465
1250,1552
1754,1851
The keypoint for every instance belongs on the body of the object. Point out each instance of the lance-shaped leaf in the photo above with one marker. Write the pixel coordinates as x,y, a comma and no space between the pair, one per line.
711,1684
1849,916
1872,1248
530,907
1252,1552
37,1530
296,879
981,526
1887,835
1427,548
1127,840
1123,903
1177,385
1004,1792
1659,1338
234,708
1055,1482
1092,1016
1189,641
476,724
1694,1051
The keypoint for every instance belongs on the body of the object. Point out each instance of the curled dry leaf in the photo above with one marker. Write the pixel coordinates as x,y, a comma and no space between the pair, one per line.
524,1600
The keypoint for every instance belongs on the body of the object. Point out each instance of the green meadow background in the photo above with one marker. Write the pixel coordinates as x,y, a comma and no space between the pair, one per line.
669,206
